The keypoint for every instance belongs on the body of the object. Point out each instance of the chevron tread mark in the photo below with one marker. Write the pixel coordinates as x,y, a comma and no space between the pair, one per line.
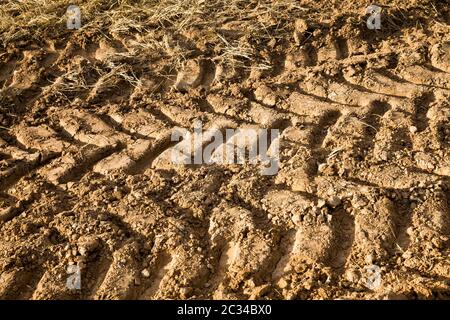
87,176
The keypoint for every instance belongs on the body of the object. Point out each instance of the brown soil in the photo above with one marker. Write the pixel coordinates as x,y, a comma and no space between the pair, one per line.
85,123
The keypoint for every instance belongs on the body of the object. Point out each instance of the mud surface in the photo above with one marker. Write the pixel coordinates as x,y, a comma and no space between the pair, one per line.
364,117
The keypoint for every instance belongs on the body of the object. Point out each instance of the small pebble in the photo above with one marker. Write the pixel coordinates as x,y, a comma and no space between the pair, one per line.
145,273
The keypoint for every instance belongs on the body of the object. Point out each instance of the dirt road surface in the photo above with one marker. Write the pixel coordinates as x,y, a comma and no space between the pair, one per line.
359,208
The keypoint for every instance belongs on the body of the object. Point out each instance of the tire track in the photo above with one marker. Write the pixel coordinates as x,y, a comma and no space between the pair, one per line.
225,235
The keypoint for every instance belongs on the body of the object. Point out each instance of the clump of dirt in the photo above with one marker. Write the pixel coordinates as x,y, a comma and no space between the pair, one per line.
360,206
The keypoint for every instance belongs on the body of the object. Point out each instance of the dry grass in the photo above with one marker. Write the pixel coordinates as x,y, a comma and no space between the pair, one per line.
260,20
240,33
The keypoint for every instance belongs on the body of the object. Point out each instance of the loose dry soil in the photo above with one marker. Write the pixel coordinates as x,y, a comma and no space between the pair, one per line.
85,172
